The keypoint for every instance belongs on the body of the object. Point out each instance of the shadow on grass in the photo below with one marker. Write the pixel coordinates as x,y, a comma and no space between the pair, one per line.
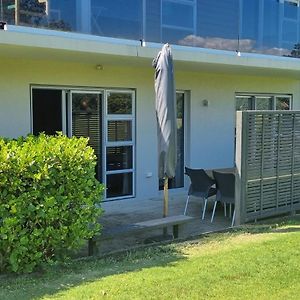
286,224
279,225
286,230
62,277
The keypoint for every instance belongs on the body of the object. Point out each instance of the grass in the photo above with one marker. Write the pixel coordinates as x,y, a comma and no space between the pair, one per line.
256,262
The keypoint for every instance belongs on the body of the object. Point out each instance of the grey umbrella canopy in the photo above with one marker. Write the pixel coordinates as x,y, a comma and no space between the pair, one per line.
165,112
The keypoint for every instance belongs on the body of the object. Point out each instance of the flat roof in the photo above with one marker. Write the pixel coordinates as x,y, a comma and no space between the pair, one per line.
34,43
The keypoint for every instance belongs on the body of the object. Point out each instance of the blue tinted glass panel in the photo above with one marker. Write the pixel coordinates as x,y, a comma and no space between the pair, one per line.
271,25
218,19
153,21
289,31
62,15
249,20
287,48
180,37
118,18
177,14
290,10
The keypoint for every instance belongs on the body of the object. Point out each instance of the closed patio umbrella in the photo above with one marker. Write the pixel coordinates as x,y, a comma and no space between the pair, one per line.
166,117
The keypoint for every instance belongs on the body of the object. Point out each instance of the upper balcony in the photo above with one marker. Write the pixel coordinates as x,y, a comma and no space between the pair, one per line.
252,26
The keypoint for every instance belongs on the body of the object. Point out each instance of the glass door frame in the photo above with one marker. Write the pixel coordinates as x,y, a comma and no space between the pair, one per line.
104,141
70,93
120,117
66,103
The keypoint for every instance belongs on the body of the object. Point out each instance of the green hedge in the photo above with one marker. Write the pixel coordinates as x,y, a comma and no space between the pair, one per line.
48,197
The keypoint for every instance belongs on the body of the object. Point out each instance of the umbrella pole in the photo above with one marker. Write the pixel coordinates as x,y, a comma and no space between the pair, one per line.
166,202
166,196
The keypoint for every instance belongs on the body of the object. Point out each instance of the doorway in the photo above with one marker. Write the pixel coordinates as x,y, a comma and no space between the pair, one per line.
178,180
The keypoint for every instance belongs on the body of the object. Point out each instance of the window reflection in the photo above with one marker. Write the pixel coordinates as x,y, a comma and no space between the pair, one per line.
283,103
119,185
119,158
87,122
117,18
119,131
119,103
290,9
264,103
289,31
258,102
173,12
243,103
260,26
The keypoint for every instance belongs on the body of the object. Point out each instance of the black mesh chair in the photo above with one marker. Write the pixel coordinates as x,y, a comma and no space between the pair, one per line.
201,187
225,191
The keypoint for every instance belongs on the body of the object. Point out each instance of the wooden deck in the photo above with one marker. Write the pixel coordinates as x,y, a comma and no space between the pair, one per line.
131,211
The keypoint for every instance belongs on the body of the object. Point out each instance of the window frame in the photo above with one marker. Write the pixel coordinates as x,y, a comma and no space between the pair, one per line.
190,3
254,97
120,117
67,125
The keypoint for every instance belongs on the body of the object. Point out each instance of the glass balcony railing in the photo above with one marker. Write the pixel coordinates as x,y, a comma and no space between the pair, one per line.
255,26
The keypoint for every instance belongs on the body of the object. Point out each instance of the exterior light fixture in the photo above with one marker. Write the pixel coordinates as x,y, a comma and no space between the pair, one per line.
99,67
2,25
205,102
143,43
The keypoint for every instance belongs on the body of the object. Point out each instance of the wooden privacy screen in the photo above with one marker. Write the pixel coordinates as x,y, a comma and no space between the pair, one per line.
268,164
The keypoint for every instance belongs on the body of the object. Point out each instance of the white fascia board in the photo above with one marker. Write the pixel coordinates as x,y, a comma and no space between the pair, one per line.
84,43
76,42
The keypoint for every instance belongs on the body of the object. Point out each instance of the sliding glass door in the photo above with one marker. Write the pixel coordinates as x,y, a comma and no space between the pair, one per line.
106,117
86,121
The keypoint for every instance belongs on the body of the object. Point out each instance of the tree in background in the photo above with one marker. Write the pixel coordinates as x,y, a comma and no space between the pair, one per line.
296,51
31,12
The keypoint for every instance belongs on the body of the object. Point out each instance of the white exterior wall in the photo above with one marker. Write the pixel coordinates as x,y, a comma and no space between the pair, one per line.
212,127
209,131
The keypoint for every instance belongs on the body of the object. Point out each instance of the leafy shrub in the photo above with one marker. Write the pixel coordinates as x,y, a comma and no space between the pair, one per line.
48,197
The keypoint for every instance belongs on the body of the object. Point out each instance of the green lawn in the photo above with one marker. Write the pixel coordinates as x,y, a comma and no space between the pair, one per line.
258,262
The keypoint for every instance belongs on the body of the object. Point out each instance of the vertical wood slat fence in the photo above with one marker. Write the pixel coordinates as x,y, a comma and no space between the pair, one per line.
268,164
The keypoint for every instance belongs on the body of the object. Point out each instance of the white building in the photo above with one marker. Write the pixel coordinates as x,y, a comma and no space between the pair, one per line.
96,78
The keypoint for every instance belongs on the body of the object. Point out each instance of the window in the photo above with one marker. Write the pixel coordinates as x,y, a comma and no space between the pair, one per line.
290,22
86,121
117,18
290,9
119,143
178,19
106,117
263,102
47,111
244,102
172,13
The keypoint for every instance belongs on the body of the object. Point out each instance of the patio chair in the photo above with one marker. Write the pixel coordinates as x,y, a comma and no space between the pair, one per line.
225,191
201,187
